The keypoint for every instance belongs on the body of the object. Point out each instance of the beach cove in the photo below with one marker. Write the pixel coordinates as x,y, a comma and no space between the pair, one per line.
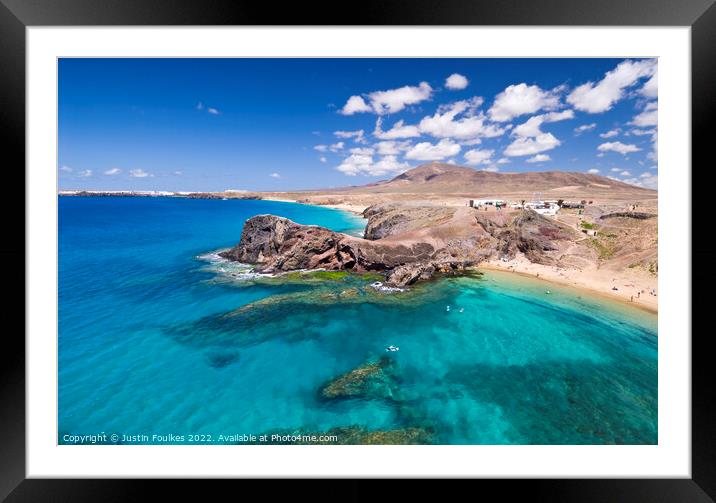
146,305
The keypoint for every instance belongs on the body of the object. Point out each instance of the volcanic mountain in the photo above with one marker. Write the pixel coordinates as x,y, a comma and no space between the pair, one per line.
449,179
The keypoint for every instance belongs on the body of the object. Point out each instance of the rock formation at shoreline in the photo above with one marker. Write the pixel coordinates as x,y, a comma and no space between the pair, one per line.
407,243
277,244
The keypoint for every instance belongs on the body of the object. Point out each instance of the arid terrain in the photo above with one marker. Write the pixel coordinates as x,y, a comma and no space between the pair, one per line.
420,223
429,220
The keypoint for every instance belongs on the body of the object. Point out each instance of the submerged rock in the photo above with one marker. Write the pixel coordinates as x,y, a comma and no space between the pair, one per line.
401,436
350,435
408,274
369,381
223,359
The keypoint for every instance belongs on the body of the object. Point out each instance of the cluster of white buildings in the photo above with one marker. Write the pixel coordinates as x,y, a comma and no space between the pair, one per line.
549,208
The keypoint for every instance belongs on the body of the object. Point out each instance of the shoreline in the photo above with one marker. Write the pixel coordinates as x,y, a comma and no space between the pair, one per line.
545,276
572,278
350,208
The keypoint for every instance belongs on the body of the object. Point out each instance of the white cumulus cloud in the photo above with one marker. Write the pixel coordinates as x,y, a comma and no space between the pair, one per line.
139,173
335,147
394,100
530,146
477,156
651,88
399,130
539,158
584,128
601,96
275,175
617,146
358,164
358,136
113,171
426,151
593,171
642,132
645,180
443,124
362,151
392,147
610,134
354,105
648,117
388,102
521,99
531,127
456,81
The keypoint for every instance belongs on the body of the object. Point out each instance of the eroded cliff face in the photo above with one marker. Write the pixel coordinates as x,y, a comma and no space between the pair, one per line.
276,244
391,219
406,243
530,233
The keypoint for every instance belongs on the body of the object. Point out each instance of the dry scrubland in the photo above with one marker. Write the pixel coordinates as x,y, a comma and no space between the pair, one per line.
429,205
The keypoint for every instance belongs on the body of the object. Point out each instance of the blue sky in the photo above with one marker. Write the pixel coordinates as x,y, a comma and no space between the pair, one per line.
282,124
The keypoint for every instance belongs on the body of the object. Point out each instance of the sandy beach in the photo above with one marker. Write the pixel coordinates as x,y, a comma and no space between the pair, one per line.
632,287
352,208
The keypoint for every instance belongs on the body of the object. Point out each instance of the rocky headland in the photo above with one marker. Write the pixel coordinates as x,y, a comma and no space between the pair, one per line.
404,242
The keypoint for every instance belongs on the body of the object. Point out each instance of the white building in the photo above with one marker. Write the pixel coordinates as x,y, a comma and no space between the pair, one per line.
486,202
543,208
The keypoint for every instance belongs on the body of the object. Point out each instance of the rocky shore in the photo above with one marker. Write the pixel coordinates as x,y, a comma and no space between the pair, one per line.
404,242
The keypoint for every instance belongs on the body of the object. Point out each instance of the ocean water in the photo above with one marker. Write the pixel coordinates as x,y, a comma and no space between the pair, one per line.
157,336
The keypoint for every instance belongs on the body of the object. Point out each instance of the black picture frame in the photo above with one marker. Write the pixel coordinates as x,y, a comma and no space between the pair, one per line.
16,15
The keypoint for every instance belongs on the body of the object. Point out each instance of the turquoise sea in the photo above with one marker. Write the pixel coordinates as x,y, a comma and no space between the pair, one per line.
157,336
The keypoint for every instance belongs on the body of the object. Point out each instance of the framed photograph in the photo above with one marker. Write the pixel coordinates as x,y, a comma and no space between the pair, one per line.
395,248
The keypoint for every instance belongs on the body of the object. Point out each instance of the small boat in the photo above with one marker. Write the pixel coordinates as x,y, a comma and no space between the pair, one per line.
447,309
547,292
392,348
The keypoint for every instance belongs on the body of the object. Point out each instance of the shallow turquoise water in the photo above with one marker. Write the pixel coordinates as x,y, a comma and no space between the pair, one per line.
157,337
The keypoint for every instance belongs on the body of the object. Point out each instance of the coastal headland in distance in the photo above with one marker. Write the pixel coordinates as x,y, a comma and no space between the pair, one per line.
583,230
